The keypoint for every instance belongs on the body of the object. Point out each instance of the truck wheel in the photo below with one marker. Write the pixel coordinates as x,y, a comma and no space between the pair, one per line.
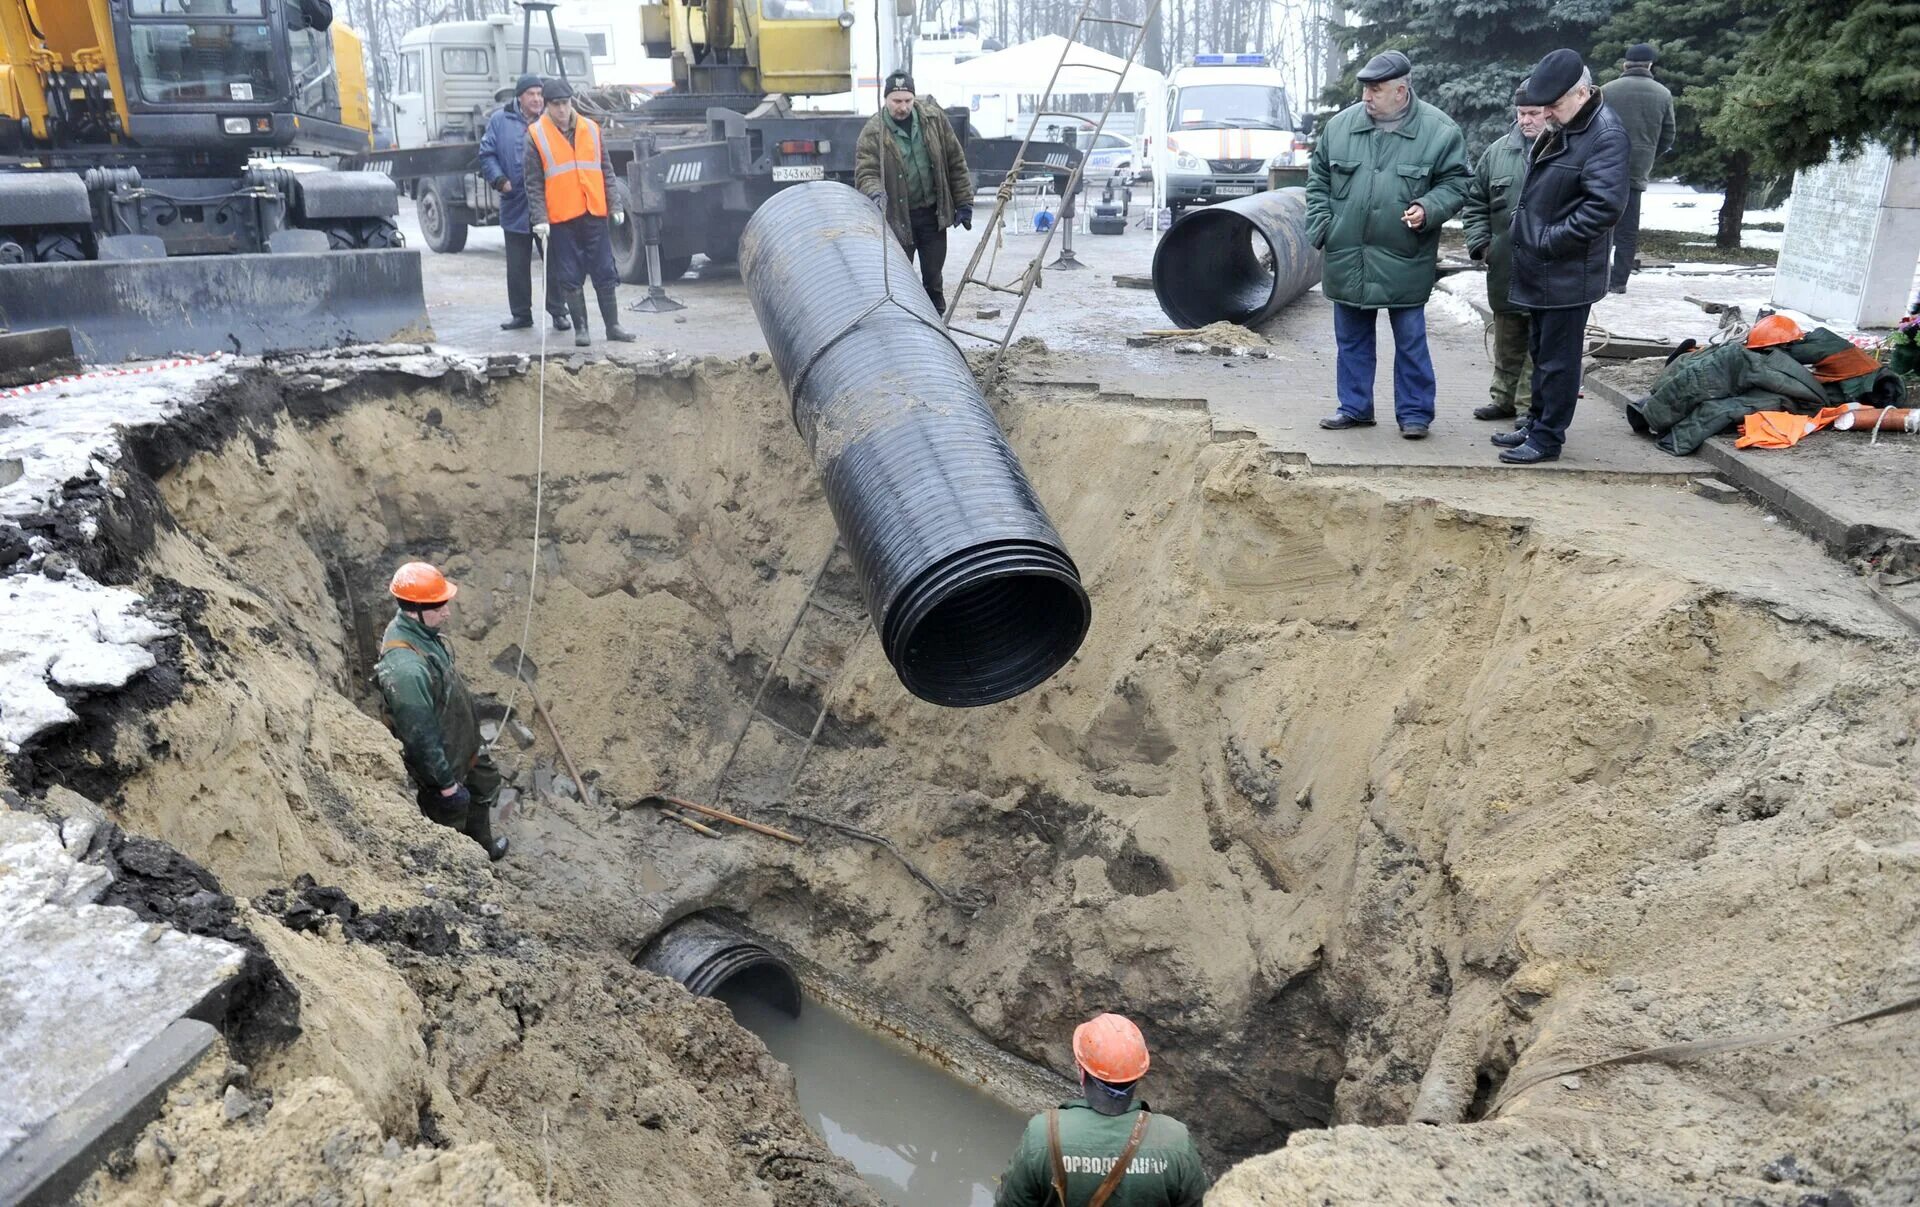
57,248
380,233
443,230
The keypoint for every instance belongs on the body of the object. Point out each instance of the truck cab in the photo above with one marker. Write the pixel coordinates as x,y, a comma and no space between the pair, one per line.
1222,121
450,74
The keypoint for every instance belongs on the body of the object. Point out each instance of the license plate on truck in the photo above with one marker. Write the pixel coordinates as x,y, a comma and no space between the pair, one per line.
1225,190
803,171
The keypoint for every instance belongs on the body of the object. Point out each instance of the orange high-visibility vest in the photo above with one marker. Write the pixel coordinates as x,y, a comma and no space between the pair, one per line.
575,184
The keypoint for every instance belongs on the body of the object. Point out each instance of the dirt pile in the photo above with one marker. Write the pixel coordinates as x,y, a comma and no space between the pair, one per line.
1347,792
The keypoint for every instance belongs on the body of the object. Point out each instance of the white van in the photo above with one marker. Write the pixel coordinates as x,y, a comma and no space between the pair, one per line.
1221,121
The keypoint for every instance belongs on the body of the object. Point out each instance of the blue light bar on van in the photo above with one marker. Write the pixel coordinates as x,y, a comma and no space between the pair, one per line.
1229,60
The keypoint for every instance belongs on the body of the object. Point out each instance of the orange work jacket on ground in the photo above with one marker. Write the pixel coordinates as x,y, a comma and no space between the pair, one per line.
574,182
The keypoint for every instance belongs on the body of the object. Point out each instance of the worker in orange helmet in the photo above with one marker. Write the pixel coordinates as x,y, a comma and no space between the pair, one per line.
430,710
1104,1148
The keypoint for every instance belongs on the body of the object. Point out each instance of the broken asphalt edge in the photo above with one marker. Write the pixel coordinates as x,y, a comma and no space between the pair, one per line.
50,1165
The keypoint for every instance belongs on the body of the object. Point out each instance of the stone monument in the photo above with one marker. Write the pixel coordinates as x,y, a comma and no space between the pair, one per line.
1853,240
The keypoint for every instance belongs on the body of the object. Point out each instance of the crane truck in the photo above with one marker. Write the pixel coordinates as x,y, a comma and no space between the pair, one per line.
135,208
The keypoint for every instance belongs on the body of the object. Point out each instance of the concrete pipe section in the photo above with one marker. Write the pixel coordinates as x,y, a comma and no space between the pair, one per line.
970,587
706,955
1240,261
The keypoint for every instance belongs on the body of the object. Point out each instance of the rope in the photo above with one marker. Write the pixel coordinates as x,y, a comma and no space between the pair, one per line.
1695,1049
539,495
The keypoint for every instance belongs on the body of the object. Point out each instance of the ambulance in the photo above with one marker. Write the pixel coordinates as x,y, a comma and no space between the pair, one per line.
1219,124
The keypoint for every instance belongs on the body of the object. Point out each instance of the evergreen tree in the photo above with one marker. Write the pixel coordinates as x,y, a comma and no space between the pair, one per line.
1468,54
1699,45
1825,74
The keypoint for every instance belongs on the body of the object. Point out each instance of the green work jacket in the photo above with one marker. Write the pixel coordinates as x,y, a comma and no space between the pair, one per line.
879,168
1165,1171
1488,214
428,706
1360,180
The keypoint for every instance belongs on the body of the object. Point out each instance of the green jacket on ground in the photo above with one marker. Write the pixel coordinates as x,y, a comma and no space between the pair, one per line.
1360,180
879,168
428,705
1701,394
1165,1170
1645,109
1488,213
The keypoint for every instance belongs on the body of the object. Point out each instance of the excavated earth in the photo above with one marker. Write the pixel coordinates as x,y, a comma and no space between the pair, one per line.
1359,794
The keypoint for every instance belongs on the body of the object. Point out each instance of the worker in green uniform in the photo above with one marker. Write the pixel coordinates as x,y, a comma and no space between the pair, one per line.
430,710
1105,1148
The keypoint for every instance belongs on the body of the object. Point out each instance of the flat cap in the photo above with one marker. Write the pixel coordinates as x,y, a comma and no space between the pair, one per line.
556,89
1640,52
1390,65
1553,77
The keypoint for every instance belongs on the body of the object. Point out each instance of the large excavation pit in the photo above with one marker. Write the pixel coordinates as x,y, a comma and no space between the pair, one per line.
1367,800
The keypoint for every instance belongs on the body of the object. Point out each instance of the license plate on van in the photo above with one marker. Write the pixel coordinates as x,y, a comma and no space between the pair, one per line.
799,171
1234,190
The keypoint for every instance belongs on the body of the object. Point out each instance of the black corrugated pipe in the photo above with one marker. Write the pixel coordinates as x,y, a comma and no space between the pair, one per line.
704,954
970,587
1238,260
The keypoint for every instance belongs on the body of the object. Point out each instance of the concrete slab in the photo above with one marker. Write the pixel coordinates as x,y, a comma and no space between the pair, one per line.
84,988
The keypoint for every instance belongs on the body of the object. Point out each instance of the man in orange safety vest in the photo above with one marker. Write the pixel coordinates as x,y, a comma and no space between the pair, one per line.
570,182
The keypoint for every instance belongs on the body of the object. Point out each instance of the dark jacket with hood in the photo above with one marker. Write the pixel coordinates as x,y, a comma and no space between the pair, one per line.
1575,191
503,155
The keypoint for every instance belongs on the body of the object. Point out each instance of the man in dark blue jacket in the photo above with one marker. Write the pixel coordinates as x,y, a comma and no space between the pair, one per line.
503,155
1575,191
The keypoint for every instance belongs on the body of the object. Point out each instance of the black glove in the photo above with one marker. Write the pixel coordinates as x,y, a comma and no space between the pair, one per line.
1477,253
500,184
964,216
460,799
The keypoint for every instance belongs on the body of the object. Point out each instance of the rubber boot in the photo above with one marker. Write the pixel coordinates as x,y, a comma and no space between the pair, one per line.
610,317
480,829
577,306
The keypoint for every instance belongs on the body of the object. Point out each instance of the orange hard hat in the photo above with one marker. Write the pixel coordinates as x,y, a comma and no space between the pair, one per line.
1772,330
1111,1048
420,583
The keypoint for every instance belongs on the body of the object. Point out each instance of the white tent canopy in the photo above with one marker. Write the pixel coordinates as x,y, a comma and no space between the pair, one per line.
1025,69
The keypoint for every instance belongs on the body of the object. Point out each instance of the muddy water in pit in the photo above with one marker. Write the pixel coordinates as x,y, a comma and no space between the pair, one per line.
920,1135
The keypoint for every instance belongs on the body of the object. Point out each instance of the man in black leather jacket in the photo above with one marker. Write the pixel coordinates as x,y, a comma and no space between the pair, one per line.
1575,192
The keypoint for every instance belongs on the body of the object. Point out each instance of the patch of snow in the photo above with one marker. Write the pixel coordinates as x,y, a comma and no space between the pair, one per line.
1456,307
86,986
73,632
61,431
1670,206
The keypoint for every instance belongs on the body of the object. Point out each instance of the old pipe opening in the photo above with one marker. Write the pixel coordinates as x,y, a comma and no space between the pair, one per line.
970,587
1240,260
704,954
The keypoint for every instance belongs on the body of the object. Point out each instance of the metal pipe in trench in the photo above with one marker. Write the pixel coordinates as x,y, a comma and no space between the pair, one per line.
703,954
1241,260
970,587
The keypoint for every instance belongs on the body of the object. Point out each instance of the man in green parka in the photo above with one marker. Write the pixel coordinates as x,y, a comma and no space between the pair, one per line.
910,164
1105,1148
1489,220
430,710
1385,175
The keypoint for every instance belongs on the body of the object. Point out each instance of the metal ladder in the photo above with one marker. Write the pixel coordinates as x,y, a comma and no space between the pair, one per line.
826,679
1022,288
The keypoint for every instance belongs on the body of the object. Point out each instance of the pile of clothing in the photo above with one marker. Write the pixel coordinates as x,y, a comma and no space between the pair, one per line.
1778,367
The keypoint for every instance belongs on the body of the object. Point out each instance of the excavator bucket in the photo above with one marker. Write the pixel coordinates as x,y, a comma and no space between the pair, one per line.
249,304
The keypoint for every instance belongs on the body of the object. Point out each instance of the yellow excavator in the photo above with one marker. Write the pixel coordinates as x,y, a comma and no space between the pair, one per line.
157,188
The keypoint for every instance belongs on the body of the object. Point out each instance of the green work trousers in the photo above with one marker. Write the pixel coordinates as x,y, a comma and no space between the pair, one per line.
1512,367
476,819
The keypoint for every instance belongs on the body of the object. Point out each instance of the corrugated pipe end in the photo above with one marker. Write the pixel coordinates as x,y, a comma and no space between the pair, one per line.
705,954
1240,261
987,623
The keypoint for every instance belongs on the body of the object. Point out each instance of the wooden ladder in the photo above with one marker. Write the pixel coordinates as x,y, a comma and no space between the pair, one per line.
1021,288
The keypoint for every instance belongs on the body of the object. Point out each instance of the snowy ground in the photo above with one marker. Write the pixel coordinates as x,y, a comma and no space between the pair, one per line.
1669,206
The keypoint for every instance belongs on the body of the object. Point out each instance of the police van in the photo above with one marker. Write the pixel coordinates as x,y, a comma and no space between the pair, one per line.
1218,125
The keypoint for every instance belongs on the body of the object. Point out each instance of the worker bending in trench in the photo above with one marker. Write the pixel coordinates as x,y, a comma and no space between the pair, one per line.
1105,1148
569,181
429,708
